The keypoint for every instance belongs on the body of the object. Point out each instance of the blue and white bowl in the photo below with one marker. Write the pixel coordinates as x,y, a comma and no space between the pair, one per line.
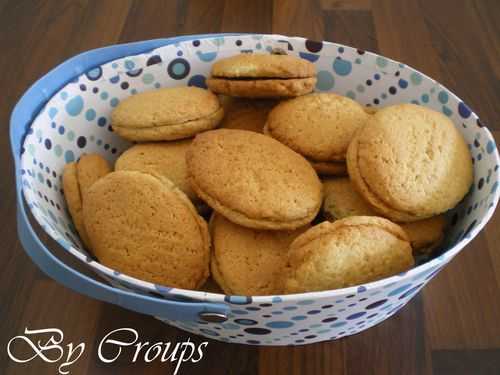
75,120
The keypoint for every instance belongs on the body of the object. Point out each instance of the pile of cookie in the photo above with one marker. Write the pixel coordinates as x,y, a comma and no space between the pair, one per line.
295,192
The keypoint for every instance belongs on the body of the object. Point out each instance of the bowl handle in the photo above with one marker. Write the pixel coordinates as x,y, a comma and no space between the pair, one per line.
22,116
71,278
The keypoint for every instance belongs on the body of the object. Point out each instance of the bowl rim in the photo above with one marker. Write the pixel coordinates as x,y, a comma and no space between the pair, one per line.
430,267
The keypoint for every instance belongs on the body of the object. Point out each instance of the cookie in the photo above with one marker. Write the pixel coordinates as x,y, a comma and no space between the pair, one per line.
262,76
90,168
216,275
347,252
143,226
246,114
163,158
248,262
77,178
409,163
262,65
74,201
341,200
262,88
166,114
318,126
253,180
425,235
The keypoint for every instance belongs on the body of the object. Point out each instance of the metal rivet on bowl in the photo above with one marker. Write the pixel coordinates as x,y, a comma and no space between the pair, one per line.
213,317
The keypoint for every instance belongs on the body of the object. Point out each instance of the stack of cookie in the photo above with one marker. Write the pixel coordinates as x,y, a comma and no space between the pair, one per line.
387,177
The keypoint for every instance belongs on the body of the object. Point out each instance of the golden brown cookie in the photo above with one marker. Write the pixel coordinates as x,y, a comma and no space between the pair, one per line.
425,235
347,252
246,114
253,180
258,65
142,225
163,158
89,169
77,178
323,168
246,261
216,275
262,76
410,163
341,200
167,114
74,200
318,126
263,88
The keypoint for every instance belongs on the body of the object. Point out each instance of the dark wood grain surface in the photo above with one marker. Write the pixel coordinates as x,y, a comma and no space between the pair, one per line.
451,327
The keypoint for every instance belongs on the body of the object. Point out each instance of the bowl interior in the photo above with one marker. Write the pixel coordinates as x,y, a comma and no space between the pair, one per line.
76,121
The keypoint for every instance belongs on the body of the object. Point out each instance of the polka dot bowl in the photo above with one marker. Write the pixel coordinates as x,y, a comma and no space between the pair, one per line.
75,120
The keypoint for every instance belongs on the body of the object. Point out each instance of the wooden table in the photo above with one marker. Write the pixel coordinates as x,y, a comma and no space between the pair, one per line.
452,327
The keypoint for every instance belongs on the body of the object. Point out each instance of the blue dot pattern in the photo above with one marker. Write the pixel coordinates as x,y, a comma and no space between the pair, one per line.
76,121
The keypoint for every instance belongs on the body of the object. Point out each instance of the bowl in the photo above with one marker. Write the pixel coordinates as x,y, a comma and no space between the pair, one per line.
76,119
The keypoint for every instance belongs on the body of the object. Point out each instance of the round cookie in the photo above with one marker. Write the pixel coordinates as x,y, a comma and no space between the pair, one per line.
323,168
142,225
248,262
166,114
347,252
245,114
425,235
262,88
341,200
409,163
262,76
77,178
253,180
74,201
318,126
263,65
90,168
216,275
163,158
